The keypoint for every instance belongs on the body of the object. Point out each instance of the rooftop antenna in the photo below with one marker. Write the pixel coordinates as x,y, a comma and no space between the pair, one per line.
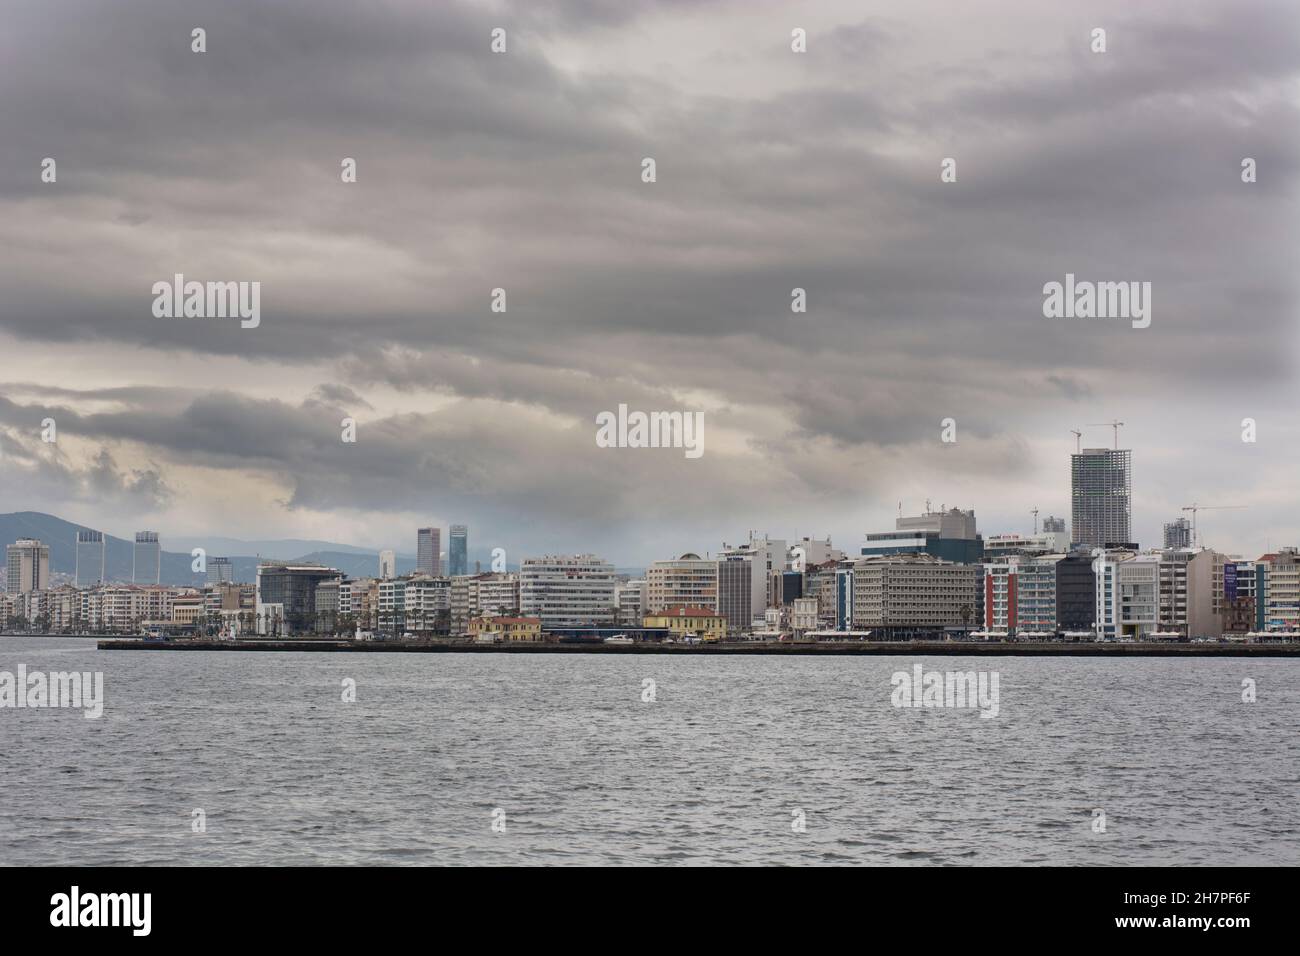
1078,440
1114,423
1035,514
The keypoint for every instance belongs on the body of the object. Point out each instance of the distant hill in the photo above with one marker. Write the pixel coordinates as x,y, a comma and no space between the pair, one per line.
61,536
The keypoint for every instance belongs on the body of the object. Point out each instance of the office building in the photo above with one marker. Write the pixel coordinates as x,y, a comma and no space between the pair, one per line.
27,566
742,587
947,534
1051,524
458,550
567,591
428,552
90,559
914,596
1100,492
387,565
286,597
146,558
220,571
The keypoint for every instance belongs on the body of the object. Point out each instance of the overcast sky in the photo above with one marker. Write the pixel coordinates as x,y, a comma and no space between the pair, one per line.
522,170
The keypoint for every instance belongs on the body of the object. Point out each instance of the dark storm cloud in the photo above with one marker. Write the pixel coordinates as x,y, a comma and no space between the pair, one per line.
479,171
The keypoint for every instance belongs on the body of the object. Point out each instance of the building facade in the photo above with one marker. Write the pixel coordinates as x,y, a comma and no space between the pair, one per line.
146,558
567,591
458,550
689,580
90,559
428,552
27,566
1101,489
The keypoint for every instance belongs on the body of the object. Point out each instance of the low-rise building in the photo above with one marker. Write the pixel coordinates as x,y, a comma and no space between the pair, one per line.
685,622
508,629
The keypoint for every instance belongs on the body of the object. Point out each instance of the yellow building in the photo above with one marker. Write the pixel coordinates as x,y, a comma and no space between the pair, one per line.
506,628
684,621
187,609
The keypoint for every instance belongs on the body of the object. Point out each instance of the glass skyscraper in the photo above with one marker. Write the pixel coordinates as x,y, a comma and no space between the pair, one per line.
458,550
146,565
90,558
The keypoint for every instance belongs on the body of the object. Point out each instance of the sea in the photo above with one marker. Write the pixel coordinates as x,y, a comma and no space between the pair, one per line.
230,758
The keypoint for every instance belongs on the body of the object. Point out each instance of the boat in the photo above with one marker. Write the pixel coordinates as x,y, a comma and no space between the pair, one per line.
618,639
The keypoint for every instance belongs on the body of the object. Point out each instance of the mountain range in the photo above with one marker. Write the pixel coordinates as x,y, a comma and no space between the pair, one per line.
61,536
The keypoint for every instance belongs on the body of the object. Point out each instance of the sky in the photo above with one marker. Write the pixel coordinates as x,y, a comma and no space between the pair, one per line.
522,170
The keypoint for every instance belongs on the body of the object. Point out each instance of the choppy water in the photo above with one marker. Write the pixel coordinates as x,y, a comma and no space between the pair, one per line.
586,772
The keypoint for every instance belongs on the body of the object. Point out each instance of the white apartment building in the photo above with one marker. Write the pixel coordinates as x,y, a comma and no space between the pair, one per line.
567,591
1128,594
630,602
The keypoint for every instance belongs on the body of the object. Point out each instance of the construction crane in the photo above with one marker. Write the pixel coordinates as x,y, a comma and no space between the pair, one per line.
1078,440
1113,423
1195,507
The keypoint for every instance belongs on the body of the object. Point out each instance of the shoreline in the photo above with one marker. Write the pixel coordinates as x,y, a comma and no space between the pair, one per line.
739,649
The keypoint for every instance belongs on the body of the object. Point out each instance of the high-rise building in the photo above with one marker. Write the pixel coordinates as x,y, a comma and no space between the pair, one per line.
90,559
1051,524
27,566
760,557
567,591
689,580
146,560
458,550
220,571
388,564
1101,488
1178,534
428,552
742,587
